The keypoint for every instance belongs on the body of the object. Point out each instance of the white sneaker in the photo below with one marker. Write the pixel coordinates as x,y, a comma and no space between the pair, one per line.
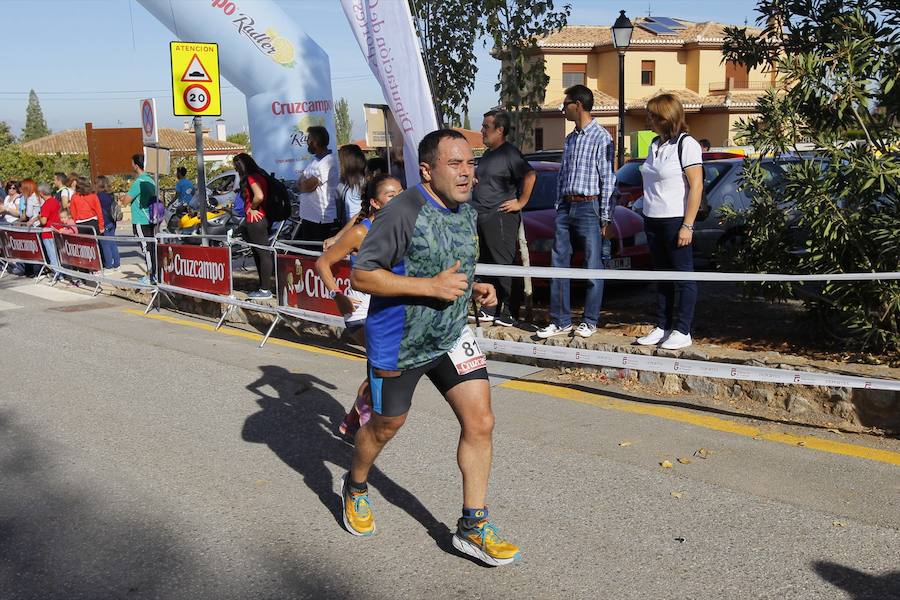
653,338
552,330
676,341
585,330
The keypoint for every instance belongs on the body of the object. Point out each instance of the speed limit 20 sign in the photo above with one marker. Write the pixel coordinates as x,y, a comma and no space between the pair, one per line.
195,79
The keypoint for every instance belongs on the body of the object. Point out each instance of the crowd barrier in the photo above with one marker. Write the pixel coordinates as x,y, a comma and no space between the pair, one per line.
205,272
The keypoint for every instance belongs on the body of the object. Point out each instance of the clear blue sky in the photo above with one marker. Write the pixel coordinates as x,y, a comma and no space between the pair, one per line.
91,60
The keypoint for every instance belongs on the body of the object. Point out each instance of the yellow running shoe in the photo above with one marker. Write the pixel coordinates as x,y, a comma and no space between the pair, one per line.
358,518
484,543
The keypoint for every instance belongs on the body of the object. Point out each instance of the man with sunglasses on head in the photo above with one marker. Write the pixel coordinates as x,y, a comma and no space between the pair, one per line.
586,181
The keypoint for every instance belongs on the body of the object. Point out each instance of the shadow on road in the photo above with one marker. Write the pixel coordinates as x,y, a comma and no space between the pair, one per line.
859,585
297,422
58,541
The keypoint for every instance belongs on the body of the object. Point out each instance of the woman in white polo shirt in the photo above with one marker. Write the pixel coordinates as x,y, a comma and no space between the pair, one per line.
673,186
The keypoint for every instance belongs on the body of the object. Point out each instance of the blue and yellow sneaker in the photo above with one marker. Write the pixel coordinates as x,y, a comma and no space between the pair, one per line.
357,512
484,543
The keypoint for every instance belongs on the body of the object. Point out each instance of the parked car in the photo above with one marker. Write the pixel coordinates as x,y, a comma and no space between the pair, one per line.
629,244
630,183
721,182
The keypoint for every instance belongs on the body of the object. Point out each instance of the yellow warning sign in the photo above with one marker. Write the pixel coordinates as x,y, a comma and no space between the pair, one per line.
195,79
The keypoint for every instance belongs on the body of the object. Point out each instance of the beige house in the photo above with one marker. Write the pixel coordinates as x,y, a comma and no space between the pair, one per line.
683,58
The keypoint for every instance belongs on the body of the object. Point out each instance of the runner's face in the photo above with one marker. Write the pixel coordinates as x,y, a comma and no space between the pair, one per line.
387,190
452,175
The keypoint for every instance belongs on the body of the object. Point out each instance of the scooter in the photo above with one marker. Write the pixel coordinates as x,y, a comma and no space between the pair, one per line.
184,221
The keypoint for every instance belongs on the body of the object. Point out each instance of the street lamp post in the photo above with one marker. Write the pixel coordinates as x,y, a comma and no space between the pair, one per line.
621,34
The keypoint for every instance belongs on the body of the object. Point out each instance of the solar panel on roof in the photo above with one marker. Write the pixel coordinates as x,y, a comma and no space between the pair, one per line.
656,28
667,22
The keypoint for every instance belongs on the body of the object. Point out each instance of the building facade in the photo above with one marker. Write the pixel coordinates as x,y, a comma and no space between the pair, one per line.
683,58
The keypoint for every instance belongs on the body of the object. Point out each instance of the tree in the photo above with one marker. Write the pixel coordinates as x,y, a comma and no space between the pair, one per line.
514,28
343,124
839,62
448,30
6,135
35,125
241,138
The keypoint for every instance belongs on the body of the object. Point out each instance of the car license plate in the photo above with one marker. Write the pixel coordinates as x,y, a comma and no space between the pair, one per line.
617,263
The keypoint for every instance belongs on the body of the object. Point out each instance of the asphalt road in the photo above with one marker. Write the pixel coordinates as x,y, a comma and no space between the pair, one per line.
153,458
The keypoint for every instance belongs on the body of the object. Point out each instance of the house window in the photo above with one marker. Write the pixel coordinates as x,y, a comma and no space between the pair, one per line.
538,139
573,74
648,72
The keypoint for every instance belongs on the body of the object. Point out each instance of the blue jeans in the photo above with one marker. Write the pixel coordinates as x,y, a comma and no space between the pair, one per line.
50,251
110,250
578,223
662,239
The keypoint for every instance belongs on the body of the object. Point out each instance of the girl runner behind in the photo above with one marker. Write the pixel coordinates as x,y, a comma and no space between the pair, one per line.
352,304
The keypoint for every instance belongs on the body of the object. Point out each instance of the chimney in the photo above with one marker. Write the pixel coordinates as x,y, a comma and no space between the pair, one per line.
220,129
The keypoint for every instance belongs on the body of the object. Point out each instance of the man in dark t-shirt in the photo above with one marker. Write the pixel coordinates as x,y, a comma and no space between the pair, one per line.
505,181
418,263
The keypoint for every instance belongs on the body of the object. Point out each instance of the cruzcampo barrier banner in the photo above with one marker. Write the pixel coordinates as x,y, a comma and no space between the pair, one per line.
24,246
78,251
299,285
198,268
284,74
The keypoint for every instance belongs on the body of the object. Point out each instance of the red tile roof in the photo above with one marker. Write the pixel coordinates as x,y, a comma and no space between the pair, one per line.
181,143
593,36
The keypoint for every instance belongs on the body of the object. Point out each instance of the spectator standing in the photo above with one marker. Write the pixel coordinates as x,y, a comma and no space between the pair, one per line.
85,208
30,201
352,181
10,209
184,187
255,188
586,181
673,186
63,192
705,145
49,218
318,188
141,194
109,249
505,181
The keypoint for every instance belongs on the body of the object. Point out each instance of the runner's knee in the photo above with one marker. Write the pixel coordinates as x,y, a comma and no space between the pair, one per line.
479,425
385,428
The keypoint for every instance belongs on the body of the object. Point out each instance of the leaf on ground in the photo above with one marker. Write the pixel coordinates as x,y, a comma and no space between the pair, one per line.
624,444
683,460
801,443
677,494
837,431
838,524
666,464
703,452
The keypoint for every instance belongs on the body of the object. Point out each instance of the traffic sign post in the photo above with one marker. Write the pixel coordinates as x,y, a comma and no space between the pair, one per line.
196,92
149,131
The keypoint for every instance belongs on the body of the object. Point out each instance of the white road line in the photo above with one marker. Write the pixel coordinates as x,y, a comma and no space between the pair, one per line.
47,293
8,306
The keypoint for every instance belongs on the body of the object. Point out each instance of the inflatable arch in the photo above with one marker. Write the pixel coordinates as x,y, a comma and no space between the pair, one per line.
284,74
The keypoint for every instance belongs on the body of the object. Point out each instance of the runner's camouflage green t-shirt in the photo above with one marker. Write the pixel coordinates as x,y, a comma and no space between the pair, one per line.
415,236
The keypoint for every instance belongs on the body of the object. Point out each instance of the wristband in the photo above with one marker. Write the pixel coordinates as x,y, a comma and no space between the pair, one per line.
688,227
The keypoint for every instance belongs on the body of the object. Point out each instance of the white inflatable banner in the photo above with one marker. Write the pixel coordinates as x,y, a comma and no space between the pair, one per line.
387,38
284,74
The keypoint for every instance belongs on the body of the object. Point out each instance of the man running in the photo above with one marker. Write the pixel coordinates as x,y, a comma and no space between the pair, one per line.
418,263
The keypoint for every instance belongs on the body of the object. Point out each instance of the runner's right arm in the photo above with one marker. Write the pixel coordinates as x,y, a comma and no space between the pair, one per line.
379,268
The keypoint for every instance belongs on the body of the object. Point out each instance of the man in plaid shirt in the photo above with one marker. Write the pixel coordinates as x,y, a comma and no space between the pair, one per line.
586,181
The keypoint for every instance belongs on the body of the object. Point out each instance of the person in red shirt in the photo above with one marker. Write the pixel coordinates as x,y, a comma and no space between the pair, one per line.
85,208
255,189
49,217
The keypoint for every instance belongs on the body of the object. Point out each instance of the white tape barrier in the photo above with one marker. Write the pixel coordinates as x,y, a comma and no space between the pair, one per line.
679,366
569,273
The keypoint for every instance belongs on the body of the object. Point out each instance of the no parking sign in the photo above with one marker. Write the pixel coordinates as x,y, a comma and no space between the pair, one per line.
148,121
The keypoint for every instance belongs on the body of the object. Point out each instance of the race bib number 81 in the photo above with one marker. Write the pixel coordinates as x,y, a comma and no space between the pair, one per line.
466,355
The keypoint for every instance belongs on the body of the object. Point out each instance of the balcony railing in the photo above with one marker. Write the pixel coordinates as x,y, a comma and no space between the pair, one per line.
739,85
